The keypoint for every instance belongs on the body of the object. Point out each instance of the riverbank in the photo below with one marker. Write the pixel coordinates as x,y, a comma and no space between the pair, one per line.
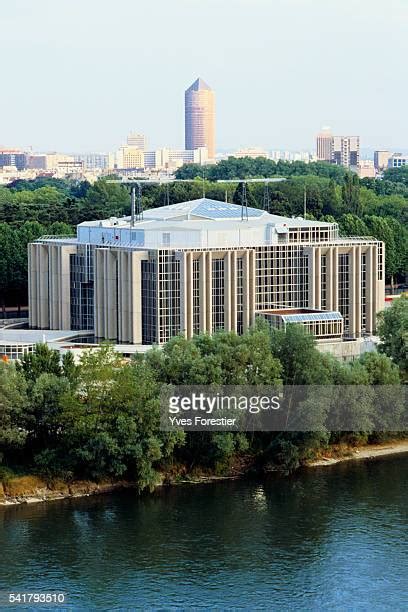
370,451
33,489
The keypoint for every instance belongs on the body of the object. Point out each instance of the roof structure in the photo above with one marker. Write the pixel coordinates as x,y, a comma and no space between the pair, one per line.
199,84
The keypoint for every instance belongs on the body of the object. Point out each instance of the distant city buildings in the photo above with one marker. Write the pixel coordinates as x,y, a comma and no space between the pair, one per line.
346,151
340,150
250,152
381,159
324,143
292,156
94,161
397,160
128,157
200,117
366,169
137,140
13,158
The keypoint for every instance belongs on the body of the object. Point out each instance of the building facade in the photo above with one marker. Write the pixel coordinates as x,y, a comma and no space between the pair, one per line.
200,117
202,266
346,151
398,160
13,157
324,141
381,159
137,140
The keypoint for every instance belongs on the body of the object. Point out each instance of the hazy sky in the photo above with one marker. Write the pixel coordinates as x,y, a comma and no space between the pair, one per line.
78,75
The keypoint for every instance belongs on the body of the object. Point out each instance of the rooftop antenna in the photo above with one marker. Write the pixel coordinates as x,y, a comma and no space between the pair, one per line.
244,203
203,182
304,202
266,200
139,215
133,207
226,196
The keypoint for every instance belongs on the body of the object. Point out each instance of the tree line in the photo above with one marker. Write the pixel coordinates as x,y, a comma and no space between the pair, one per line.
379,208
101,418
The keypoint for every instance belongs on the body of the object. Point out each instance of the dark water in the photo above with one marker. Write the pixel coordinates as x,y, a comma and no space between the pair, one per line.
332,538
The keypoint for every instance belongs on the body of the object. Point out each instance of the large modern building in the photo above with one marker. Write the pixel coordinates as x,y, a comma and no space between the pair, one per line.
203,266
200,117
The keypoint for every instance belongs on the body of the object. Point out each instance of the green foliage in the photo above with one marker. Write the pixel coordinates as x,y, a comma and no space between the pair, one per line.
42,361
13,400
101,418
393,332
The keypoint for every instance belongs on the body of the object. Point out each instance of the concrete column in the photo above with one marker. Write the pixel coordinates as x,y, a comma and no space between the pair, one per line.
252,286
353,302
183,293
227,292
32,286
189,293
203,291
329,278
208,306
43,286
233,286
65,285
370,288
335,278
246,289
136,312
318,278
358,290
311,269
99,309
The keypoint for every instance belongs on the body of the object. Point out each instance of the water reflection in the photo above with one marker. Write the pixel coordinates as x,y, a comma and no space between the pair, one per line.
325,537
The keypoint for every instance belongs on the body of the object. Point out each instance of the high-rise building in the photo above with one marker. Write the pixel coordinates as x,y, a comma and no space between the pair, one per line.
200,117
381,159
324,143
203,266
346,151
137,140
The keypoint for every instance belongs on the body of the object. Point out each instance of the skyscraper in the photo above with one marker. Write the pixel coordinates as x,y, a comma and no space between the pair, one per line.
324,142
137,140
346,151
200,117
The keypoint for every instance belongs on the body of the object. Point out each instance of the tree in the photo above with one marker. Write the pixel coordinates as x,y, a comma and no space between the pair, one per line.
42,360
352,225
302,363
13,404
351,193
393,333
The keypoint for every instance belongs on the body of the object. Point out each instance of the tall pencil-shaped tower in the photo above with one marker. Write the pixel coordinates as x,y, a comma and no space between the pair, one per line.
200,117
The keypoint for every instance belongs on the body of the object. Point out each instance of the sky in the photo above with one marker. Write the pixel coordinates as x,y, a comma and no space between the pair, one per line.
78,75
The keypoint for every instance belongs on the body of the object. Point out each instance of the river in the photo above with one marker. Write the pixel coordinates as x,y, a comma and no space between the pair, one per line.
325,538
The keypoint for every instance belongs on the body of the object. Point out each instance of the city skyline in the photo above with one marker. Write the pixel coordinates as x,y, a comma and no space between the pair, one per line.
261,74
